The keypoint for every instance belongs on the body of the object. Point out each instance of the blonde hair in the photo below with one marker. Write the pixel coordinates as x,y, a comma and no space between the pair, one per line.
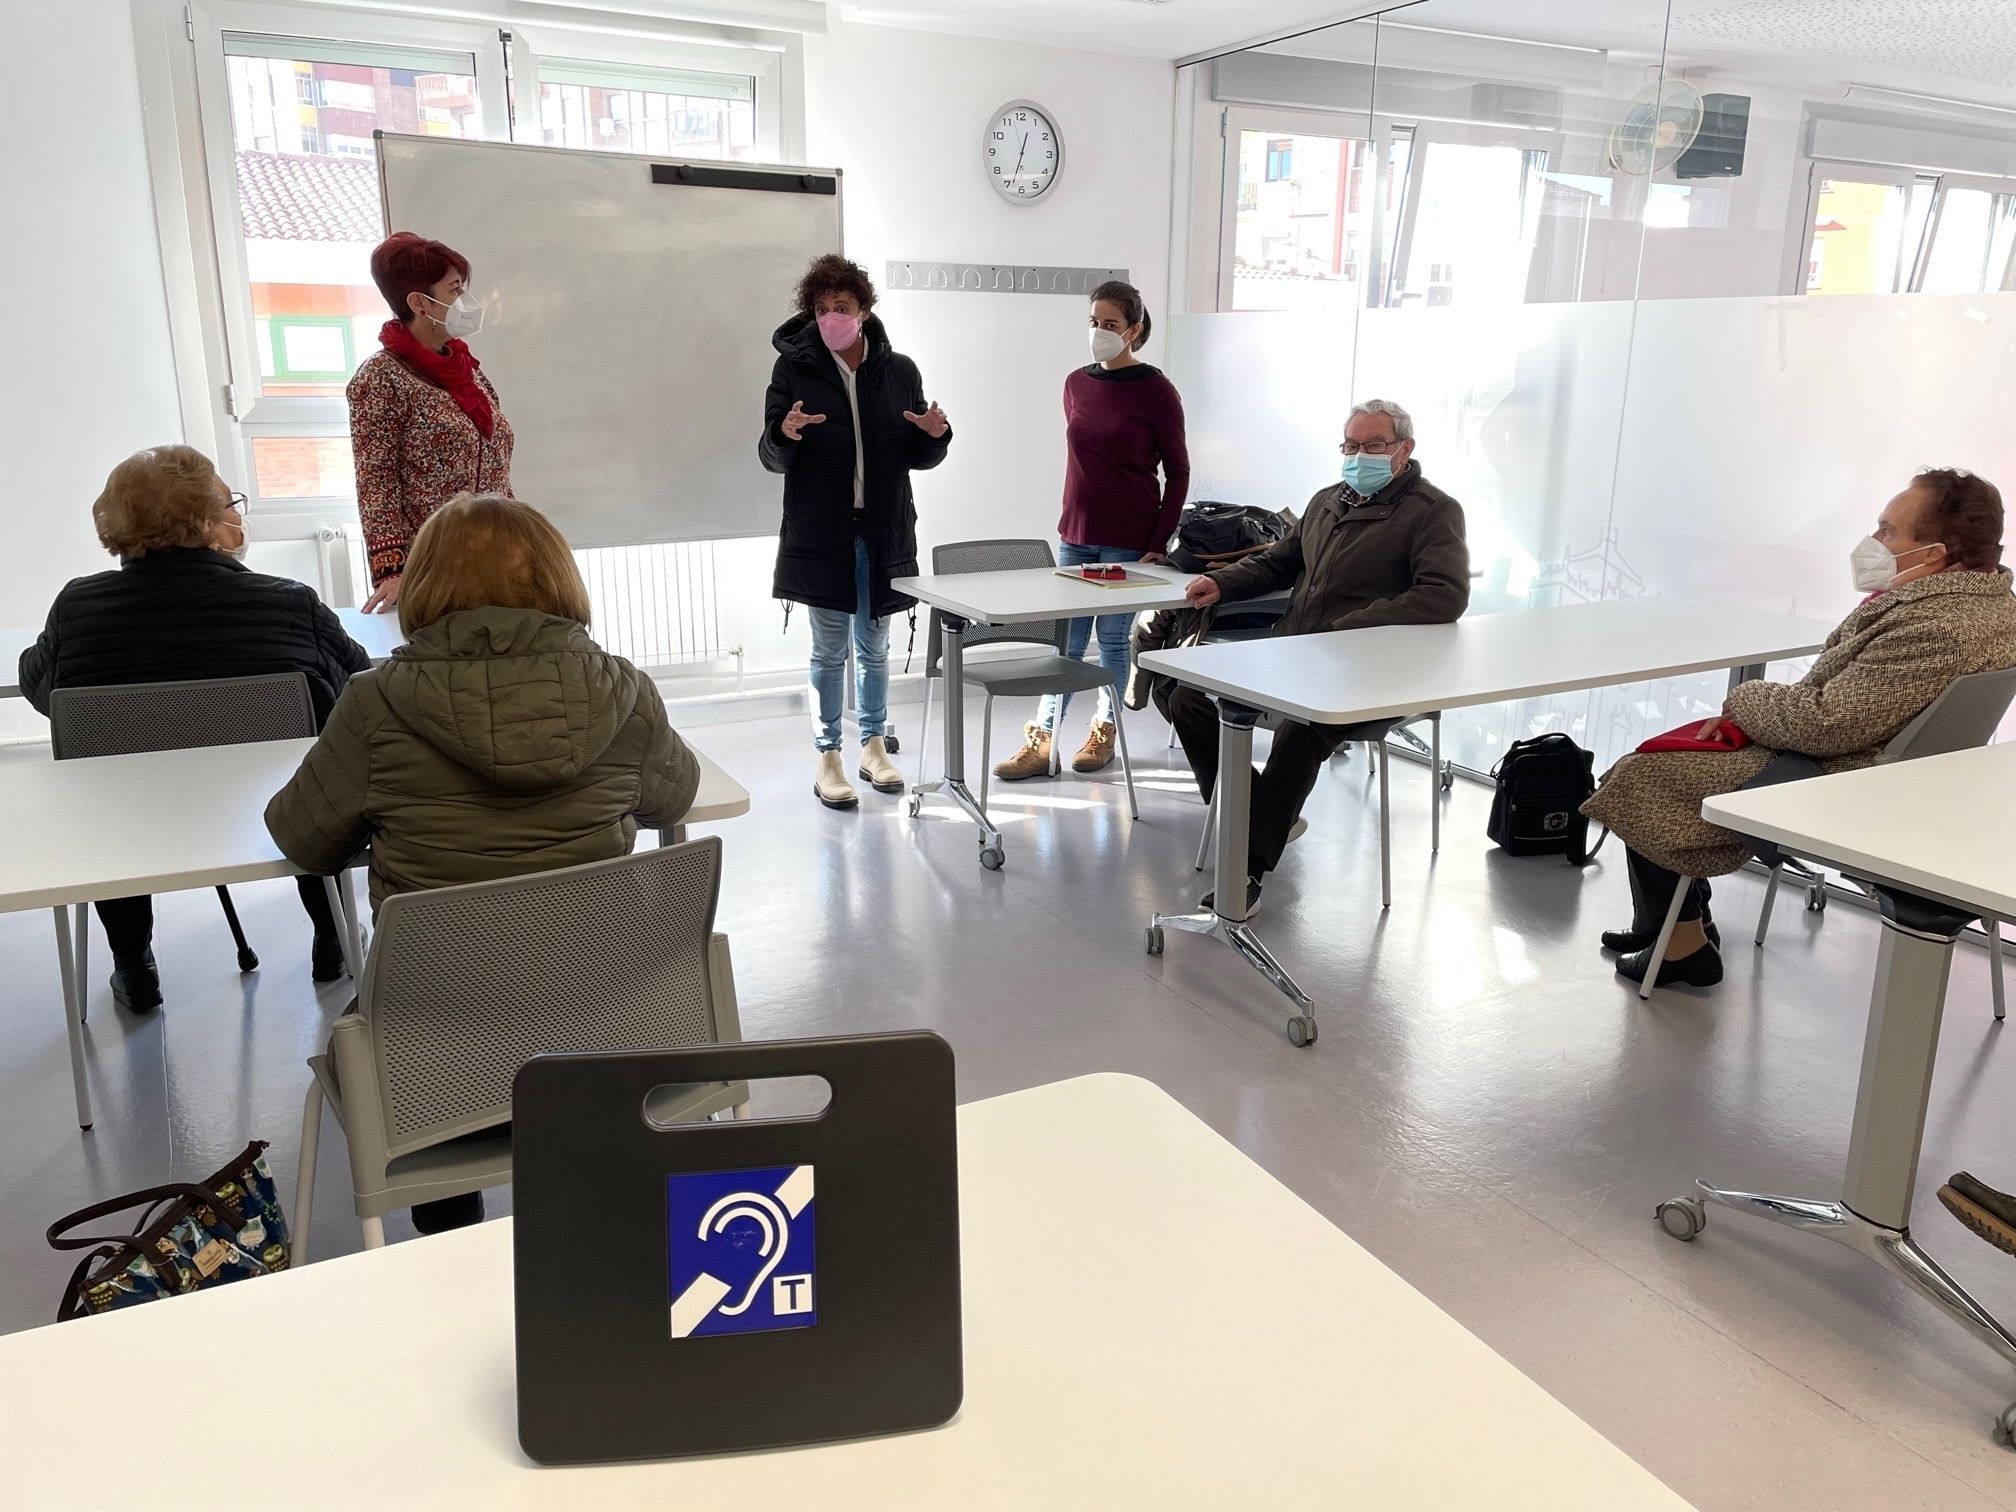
157,500
486,551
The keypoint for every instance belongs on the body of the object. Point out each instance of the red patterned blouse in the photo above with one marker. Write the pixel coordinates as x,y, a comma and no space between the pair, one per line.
415,450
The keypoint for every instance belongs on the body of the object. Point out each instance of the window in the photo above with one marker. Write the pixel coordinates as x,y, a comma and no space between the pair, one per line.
673,112
1303,221
307,189
1467,233
1973,231
1866,232
311,348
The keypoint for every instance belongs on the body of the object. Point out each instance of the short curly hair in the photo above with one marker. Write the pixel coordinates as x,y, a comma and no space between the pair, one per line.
158,500
1965,512
834,274
405,263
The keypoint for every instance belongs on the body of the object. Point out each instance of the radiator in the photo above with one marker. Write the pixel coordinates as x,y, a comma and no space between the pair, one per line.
658,605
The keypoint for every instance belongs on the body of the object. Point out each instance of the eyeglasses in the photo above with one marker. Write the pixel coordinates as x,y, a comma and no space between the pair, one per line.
1370,448
240,503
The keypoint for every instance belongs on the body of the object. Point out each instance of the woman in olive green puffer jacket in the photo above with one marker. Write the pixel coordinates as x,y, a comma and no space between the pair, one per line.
500,740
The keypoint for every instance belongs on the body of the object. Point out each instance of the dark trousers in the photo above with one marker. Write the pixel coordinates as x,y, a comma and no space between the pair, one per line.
1279,789
1652,894
129,922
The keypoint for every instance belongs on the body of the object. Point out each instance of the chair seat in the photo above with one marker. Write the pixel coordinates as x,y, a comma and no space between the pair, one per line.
1032,676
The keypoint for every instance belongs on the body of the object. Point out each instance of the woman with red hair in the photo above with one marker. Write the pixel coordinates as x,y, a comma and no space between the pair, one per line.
425,424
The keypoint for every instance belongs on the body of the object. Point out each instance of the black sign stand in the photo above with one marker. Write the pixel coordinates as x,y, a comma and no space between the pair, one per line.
602,1231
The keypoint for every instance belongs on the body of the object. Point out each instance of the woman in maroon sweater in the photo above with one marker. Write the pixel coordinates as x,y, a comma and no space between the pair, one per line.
1126,471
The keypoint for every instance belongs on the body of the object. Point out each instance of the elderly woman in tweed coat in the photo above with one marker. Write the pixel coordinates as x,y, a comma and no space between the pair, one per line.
1941,608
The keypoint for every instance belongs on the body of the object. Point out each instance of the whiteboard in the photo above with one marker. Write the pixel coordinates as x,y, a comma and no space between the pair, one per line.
626,323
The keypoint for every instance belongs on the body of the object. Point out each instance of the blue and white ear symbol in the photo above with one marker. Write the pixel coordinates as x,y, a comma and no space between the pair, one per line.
768,1216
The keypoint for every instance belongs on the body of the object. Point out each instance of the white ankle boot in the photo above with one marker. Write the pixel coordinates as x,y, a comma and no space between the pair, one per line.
877,770
830,785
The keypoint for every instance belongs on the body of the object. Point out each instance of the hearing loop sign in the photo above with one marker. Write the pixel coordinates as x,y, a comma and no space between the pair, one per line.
742,1247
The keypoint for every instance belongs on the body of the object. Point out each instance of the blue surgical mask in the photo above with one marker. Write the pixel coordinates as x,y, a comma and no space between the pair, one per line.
1365,474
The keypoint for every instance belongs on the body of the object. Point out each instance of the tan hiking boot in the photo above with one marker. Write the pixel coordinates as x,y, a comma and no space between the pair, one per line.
1097,752
877,770
830,785
1033,760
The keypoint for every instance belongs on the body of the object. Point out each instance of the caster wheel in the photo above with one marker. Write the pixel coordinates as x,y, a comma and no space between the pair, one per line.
1816,900
247,961
1154,939
1683,1217
891,744
1302,1031
2005,1427
916,807
991,857
1448,779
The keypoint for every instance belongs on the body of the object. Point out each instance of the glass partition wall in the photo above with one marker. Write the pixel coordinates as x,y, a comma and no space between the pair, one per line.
1587,247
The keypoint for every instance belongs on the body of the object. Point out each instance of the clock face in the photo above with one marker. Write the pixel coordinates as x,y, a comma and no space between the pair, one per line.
1022,152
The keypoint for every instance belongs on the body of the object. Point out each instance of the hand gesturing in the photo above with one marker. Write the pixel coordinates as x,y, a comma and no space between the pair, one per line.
794,424
932,422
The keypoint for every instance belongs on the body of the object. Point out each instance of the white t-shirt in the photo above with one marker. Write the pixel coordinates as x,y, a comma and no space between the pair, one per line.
847,376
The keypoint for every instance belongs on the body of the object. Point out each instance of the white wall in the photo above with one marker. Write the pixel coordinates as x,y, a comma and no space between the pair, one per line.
91,376
901,113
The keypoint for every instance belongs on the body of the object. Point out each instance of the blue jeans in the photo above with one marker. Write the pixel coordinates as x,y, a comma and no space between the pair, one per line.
1114,629
830,631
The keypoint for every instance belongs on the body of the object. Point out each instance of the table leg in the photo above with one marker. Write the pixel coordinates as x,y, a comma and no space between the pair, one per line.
1873,1214
73,1023
343,898
1226,920
952,782
1748,673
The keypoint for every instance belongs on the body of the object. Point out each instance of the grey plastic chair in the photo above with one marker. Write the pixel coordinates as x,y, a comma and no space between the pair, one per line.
125,719
466,984
1016,677
1963,717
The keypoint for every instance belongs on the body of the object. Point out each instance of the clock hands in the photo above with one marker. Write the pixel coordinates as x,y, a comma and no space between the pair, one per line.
1021,155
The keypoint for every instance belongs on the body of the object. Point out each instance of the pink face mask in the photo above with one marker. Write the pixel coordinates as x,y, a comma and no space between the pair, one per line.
838,331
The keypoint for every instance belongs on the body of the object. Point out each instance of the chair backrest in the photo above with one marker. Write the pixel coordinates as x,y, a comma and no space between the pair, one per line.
1961,718
466,984
125,718
993,556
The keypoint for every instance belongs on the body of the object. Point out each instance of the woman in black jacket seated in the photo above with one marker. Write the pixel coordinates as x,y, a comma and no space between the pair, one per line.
183,608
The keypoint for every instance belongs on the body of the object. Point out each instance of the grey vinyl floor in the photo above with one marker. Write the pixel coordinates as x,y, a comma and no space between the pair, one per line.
1488,1109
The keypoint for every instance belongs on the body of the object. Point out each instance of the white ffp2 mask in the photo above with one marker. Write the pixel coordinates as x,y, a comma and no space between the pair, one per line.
1106,345
462,319
1875,566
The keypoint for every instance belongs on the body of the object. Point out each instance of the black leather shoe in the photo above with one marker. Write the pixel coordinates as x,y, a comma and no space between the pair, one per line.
1209,902
448,1213
1701,969
325,957
136,985
1628,941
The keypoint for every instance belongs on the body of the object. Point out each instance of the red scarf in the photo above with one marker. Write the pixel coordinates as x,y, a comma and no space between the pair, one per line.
453,370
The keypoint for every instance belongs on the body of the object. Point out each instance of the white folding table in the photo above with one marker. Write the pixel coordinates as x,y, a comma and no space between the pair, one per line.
1151,1322
163,821
1936,838
1347,677
378,634
1023,595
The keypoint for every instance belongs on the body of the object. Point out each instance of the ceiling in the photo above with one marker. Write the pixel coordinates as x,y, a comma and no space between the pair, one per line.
1955,47
1175,29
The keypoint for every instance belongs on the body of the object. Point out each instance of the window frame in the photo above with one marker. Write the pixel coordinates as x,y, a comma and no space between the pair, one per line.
1995,187
278,325
183,80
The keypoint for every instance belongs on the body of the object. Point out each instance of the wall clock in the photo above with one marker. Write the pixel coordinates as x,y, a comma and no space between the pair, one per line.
1022,152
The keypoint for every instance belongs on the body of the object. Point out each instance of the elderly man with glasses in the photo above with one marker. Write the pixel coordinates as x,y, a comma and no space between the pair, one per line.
1383,547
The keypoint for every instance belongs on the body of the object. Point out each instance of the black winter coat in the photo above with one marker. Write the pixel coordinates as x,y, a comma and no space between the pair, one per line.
815,547
184,616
